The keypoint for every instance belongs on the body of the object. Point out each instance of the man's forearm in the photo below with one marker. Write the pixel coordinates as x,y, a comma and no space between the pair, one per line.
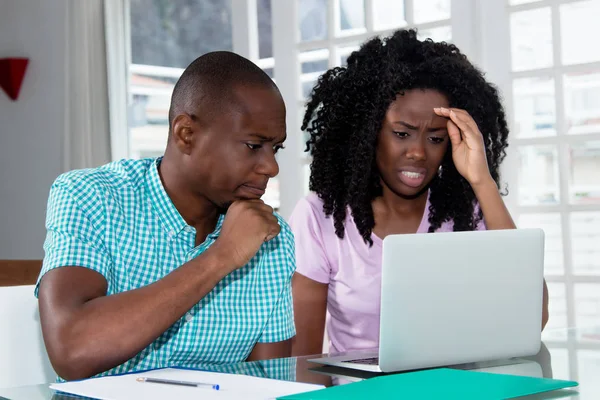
107,331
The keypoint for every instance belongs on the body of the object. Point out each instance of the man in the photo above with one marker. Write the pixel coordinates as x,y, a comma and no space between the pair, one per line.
175,261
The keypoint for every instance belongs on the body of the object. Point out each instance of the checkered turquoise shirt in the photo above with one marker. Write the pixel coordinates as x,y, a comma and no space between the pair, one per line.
119,221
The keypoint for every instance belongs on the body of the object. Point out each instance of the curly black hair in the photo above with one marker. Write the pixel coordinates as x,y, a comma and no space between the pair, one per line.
346,110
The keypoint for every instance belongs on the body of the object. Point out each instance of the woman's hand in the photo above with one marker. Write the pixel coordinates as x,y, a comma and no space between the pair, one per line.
468,149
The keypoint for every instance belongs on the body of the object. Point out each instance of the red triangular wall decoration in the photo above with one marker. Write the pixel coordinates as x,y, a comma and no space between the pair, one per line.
12,71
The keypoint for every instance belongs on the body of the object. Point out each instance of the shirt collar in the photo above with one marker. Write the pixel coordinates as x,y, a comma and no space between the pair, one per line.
169,216
215,234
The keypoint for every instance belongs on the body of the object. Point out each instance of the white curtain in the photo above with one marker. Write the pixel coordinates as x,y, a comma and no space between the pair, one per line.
87,138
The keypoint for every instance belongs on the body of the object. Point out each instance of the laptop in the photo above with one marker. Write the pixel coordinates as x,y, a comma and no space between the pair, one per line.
455,297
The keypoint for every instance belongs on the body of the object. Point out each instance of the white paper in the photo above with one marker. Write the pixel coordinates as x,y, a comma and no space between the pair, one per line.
231,386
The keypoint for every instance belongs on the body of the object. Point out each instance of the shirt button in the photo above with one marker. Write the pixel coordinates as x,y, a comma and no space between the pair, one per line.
171,234
188,229
188,317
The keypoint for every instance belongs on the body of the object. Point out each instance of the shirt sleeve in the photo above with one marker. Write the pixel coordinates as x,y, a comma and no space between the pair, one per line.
74,233
481,225
311,259
280,325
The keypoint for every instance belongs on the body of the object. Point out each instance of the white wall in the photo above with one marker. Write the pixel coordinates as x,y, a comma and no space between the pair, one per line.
31,128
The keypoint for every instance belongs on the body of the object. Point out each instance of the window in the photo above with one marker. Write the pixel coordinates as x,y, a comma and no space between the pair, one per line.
553,96
555,84
326,32
329,31
540,53
165,37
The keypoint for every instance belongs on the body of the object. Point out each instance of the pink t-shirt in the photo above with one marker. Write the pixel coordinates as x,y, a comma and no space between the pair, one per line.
350,267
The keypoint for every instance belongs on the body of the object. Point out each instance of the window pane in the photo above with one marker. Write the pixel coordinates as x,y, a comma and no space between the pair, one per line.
515,2
579,24
550,223
305,159
585,173
312,19
174,33
557,304
582,102
440,34
585,235
306,170
431,10
270,71
388,14
149,112
559,359
304,135
308,86
312,64
534,107
271,196
590,333
531,39
352,15
148,141
343,53
315,64
589,371
265,33
587,304
538,175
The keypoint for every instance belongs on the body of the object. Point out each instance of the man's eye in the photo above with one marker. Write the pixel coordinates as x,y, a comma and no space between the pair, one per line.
253,146
277,148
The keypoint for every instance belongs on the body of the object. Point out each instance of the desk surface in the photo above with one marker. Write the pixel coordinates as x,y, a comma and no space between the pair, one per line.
572,354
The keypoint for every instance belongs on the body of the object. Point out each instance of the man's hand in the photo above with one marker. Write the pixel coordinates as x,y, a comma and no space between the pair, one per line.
248,224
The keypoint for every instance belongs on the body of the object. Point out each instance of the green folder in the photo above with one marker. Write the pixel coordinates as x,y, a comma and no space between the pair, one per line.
440,383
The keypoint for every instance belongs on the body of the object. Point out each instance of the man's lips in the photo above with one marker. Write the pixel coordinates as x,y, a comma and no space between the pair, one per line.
255,190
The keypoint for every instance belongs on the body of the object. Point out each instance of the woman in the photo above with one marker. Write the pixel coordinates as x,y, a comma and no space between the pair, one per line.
408,138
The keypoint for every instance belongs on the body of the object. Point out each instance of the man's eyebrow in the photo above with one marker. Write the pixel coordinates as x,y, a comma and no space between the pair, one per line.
409,126
264,138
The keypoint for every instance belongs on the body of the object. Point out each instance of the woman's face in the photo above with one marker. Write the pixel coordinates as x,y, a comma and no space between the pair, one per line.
412,142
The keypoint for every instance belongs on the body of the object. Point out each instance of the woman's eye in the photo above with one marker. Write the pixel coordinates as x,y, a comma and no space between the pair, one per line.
401,134
437,140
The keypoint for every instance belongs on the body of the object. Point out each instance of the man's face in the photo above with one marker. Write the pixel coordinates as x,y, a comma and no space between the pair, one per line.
232,156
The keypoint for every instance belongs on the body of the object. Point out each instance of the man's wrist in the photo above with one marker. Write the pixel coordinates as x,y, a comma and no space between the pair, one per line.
219,259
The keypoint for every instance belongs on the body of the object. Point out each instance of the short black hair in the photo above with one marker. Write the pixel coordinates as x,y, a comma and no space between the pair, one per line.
346,110
208,80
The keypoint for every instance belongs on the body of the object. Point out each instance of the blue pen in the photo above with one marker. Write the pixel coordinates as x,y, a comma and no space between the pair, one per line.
178,383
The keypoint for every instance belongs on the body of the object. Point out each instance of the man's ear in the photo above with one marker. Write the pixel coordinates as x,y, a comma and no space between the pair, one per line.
182,131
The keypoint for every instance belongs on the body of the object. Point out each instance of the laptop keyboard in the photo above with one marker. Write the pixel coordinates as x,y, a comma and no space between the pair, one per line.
367,361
